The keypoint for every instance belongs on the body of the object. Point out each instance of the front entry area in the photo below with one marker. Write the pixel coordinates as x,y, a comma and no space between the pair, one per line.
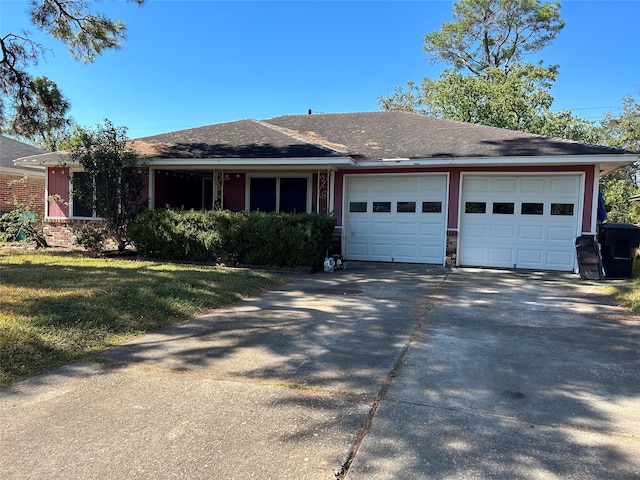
395,218
526,221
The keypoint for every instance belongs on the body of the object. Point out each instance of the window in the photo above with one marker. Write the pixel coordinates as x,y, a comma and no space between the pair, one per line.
82,184
563,209
263,194
382,207
286,195
532,209
293,195
475,207
431,207
503,208
357,207
207,193
406,207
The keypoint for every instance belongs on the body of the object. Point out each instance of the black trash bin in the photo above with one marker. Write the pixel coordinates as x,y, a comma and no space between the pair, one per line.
618,244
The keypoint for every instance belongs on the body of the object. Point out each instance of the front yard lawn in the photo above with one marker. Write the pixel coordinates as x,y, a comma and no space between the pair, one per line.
56,307
628,294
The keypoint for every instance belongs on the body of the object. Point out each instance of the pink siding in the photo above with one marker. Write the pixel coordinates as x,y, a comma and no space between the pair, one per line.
145,191
58,192
338,196
452,201
588,200
234,192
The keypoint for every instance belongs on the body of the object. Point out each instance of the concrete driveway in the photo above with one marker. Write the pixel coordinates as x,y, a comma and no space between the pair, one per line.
382,371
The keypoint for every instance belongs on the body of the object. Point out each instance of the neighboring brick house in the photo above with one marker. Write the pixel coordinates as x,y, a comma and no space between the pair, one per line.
403,187
29,192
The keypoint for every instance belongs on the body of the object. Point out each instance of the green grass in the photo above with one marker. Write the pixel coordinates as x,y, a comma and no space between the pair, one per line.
628,294
56,307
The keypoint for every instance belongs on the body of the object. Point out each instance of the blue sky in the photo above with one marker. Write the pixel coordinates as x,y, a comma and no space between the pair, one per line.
191,63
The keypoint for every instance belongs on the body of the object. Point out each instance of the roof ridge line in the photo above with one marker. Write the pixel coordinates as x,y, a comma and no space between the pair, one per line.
289,133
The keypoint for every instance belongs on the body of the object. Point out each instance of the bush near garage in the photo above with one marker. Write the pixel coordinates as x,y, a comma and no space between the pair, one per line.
247,238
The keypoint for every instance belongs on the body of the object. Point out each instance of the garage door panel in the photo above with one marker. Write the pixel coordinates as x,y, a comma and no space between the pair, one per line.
405,228
561,234
504,185
530,257
480,185
401,233
405,251
559,258
501,256
531,233
476,231
563,186
502,232
433,187
357,248
430,227
533,185
407,186
381,186
527,235
380,250
380,228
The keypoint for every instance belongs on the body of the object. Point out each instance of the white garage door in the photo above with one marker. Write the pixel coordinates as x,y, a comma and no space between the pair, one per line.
520,221
395,218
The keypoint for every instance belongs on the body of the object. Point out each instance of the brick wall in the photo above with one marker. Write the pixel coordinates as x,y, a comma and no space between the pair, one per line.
452,247
60,232
29,192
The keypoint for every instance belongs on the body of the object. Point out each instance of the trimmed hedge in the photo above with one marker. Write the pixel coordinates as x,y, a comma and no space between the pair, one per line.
251,238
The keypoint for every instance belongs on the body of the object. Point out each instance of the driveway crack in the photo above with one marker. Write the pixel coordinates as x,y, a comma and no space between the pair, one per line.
387,382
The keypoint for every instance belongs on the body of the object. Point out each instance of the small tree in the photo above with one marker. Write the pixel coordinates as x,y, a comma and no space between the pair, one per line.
116,187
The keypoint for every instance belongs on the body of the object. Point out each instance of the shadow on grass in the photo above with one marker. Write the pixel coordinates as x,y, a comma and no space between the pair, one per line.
60,306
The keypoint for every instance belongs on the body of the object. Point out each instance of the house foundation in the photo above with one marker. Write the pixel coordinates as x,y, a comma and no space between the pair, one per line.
61,232
451,253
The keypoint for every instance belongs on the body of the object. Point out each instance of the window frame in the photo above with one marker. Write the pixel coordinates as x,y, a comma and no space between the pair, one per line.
278,177
433,204
557,209
472,211
72,215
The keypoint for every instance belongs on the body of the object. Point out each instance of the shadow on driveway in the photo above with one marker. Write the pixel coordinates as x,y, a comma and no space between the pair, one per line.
382,371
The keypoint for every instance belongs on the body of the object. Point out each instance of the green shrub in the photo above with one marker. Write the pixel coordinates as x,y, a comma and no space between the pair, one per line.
176,235
253,238
11,226
20,225
91,237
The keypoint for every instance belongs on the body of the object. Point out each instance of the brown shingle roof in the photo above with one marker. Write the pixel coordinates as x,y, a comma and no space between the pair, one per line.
241,139
369,137
386,135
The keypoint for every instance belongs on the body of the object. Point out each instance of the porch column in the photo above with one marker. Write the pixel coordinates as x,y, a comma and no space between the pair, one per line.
151,192
322,192
218,189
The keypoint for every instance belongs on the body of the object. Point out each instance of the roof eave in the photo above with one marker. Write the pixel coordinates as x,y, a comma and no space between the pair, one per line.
48,159
614,160
310,162
34,171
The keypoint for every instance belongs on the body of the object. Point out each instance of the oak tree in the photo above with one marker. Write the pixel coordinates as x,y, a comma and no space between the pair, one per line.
488,80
